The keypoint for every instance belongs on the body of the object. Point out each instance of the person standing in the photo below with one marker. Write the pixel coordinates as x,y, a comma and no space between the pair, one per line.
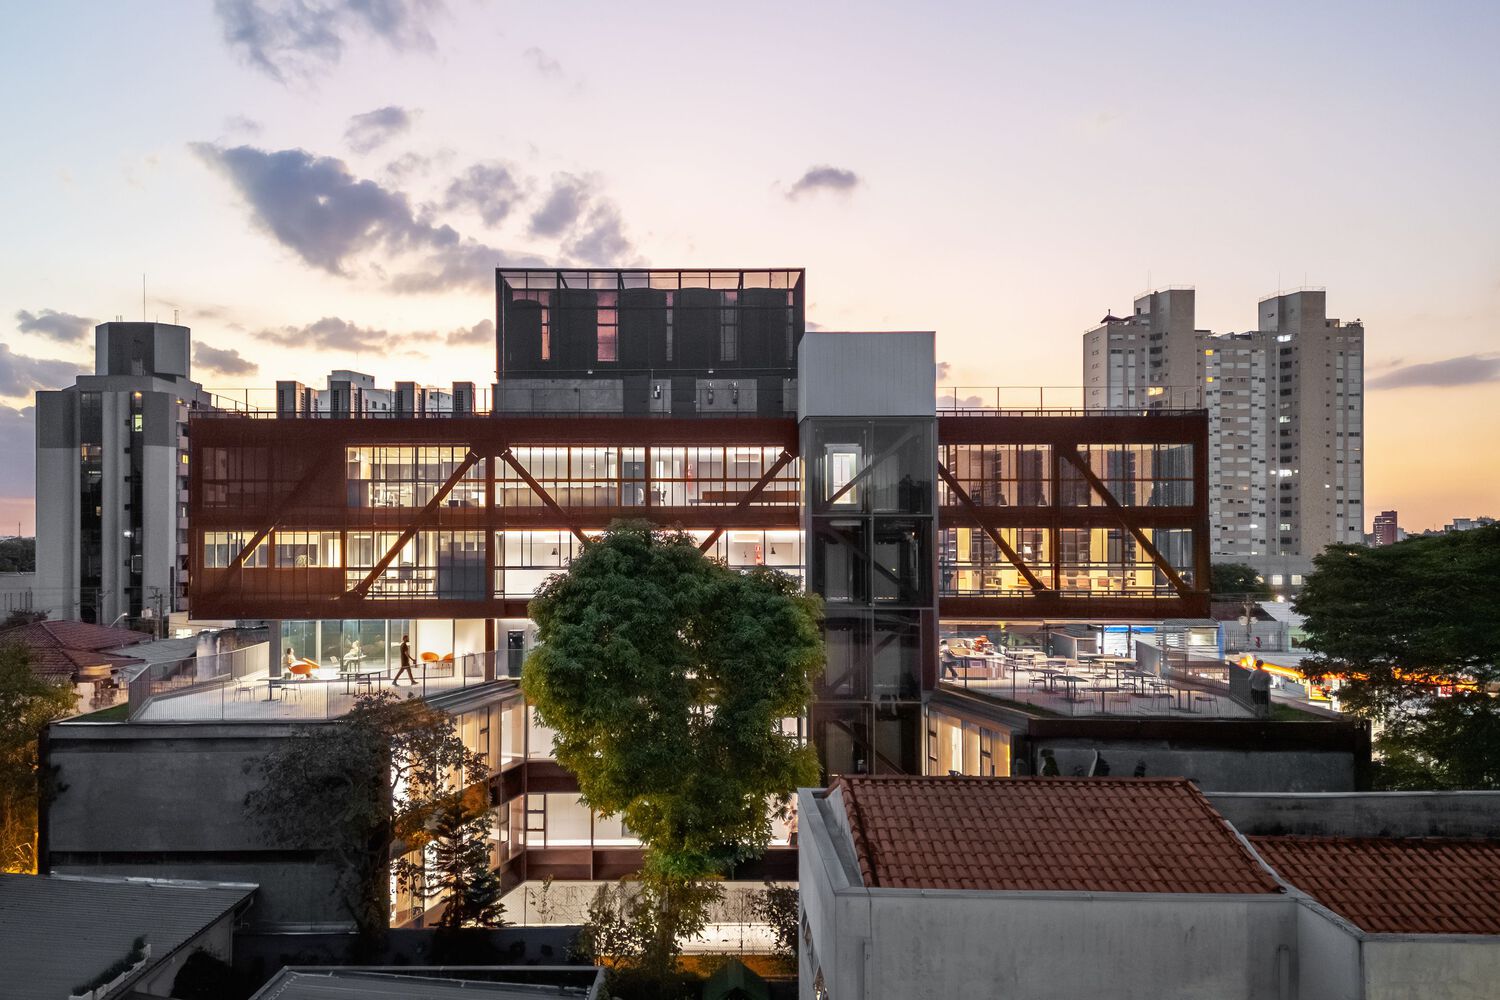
406,663
1260,689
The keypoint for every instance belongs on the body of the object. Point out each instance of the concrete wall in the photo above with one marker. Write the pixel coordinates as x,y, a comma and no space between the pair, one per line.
1414,968
1363,814
1063,946
1328,960
866,375
1212,769
167,801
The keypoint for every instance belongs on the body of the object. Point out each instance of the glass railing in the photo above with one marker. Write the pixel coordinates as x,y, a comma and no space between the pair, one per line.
242,686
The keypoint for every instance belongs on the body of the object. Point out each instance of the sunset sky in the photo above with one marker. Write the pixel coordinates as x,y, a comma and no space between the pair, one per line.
329,184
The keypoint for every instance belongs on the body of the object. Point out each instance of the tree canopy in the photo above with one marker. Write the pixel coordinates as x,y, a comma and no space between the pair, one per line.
666,676
27,703
1232,580
1414,631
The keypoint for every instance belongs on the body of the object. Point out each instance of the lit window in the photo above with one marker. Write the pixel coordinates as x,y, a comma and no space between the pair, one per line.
1275,579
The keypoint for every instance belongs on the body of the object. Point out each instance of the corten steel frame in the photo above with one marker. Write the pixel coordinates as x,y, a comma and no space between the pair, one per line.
308,493
1065,435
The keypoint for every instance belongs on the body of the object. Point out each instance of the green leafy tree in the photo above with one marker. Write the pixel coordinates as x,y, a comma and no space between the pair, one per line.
27,703
779,908
17,555
1235,580
666,676
636,928
380,780
1413,630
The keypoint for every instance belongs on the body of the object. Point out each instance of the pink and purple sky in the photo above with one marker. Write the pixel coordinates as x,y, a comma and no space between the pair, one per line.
319,184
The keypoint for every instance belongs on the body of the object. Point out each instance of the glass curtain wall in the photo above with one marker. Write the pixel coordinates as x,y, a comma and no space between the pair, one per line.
870,555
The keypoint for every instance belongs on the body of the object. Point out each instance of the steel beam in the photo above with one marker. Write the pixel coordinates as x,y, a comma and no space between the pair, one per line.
363,587
1071,456
750,495
1015,560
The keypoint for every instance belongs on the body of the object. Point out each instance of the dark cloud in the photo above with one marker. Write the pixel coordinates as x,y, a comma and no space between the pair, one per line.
601,239
542,62
316,208
225,361
824,178
482,332
589,226
21,375
1471,369
491,189
320,211
296,39
332,334
60,326
564,204
17,451
373,129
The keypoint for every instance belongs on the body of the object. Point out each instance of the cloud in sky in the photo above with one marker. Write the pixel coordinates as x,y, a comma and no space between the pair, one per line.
373,129
824,178
1470,369
943,368
588,225
60,326
542,62
334,334
225,361
482,332
21,375
331,334
317,209
17,451
294,40
562,207
490,189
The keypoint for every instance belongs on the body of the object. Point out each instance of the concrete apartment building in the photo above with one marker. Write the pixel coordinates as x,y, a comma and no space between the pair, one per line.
1387,530
112,478
1286,417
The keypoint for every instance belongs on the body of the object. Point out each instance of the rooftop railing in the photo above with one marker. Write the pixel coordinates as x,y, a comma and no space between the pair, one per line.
242,686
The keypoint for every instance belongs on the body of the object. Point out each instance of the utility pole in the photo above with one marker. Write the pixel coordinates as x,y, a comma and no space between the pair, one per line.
157,599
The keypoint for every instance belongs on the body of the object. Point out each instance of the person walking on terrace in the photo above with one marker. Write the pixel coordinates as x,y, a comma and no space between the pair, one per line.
406,663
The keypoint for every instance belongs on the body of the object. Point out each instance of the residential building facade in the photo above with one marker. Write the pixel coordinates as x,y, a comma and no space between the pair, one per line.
1387,530
112,479
1286,417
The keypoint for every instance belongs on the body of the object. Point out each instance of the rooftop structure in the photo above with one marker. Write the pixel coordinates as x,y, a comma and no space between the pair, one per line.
1045,834
444,983
1386,885
73,650
1132,888
58,932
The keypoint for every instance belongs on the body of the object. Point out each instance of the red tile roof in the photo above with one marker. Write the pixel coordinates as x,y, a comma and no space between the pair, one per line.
1396,885
60,648
1068,834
